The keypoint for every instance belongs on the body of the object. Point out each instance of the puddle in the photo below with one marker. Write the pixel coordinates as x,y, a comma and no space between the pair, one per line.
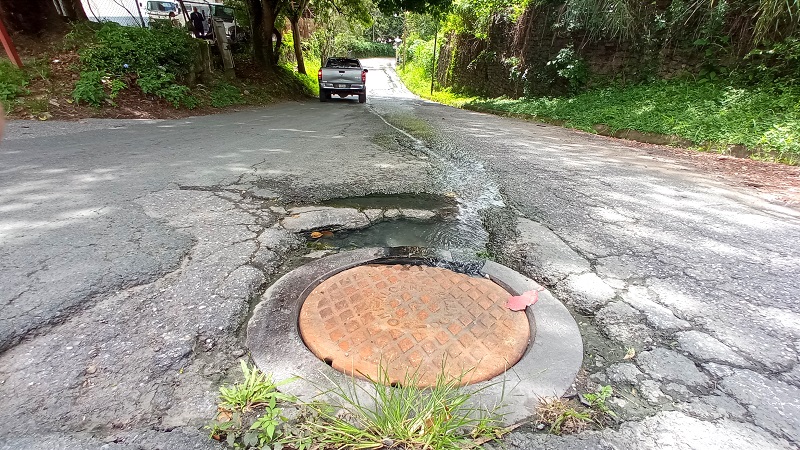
395,201
407,220
441,234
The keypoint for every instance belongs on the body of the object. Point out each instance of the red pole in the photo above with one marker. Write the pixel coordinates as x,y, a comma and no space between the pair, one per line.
11,51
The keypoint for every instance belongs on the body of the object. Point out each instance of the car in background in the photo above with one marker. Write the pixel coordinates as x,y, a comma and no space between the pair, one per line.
342,77
160,9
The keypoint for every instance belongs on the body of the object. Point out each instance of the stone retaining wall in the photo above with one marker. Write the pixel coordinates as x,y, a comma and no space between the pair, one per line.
512,61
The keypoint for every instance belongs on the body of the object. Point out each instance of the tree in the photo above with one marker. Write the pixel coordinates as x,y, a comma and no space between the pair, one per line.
295,10
385,27
271,9
263,14
354,10
433,7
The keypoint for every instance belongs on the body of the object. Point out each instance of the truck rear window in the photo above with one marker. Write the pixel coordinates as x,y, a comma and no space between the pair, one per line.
161,6
342,63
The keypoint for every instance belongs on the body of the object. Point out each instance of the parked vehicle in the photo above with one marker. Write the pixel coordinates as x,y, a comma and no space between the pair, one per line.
159,10
211,10
342,77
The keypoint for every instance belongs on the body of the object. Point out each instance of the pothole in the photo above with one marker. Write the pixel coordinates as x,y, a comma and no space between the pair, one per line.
406,201
399,220
345,317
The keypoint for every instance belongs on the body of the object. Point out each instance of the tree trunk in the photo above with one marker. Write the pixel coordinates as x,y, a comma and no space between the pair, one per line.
31,17
257,18
276,54
270,16
298,49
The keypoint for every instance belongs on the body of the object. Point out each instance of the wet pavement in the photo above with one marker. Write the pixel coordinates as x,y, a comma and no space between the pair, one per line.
131,254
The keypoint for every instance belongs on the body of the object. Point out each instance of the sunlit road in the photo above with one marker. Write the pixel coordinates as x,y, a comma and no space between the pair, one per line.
130,251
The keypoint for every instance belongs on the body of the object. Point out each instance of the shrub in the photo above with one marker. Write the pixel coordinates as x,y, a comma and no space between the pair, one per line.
12,83
119,50
162,84
158,58
89,88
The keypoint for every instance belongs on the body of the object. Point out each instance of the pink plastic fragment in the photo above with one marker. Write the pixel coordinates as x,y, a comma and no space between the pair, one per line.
520,302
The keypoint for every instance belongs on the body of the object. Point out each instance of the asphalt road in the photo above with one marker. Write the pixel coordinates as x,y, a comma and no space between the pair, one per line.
131,253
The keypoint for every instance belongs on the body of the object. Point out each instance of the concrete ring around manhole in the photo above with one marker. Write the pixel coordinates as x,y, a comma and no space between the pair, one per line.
549,359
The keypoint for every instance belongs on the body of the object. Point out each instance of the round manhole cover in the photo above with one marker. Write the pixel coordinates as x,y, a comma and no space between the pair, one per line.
409,320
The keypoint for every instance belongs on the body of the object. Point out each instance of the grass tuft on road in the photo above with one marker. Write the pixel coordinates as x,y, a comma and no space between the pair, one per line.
403,416
379,415
713,115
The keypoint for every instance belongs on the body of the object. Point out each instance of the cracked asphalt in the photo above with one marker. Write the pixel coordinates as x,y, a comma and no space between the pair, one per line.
132,252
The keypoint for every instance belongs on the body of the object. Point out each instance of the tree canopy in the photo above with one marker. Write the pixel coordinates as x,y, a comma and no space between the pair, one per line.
432,7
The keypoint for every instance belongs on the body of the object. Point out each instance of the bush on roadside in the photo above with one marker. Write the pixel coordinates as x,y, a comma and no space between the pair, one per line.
764,117
12,83
710,114
157,58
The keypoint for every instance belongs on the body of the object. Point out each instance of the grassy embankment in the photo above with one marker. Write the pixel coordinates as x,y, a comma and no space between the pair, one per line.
712,115
107,70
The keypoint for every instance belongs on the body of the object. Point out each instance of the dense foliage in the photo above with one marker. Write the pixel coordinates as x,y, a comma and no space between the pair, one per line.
154,59
12,83
736,81
710,114
713,115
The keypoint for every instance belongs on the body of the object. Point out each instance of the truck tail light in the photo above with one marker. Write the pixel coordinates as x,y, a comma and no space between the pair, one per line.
364,76
319,75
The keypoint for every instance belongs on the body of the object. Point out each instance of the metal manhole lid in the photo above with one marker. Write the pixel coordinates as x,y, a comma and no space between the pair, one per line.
409,319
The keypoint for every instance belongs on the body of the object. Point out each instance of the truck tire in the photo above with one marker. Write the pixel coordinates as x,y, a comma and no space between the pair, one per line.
324,96
362,97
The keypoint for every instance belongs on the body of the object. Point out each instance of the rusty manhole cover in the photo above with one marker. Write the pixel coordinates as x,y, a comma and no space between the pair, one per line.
409,319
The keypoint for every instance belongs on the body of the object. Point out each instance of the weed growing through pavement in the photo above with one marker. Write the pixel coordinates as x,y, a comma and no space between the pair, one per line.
485,254
561,417
403,416
597,400
258,389
380,414
567,417
250,411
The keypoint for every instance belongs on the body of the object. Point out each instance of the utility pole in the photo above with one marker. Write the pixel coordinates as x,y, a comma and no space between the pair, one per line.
435,37
405,38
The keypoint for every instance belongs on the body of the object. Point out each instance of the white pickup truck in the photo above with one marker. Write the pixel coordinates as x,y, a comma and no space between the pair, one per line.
342,77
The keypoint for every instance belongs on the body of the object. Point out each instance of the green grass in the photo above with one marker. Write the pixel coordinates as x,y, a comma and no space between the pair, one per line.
405,416
256,390
356,416
249,413
418,82
712,115
225,94
12,83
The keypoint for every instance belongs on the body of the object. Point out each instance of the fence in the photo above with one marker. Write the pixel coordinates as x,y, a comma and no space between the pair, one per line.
141,12
124,12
